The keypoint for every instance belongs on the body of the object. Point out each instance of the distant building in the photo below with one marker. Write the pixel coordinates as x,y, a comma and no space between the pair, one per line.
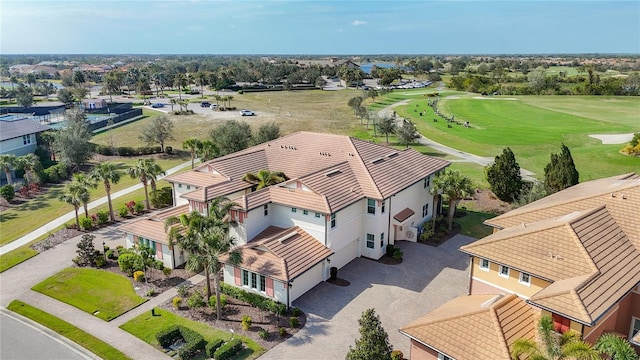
90,104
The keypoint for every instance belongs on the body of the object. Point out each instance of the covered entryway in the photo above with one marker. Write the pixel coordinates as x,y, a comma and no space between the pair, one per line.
402,226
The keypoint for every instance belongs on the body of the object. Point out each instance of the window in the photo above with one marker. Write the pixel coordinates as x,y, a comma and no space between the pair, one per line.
188,187
371,241
245,278
266,210
504,271
443,357
180,186
425,209
305,212
382,207
333,220
294,210
525,279
635,327
561,324
317,215
381,240
371,206
26,139
484,264
428,181
254,280
263,283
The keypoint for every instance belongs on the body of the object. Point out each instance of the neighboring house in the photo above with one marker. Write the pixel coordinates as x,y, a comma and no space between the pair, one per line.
18,137
90,104
345,198
574,255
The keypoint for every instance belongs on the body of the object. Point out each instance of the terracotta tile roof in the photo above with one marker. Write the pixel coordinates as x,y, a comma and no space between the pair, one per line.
283,254
403,215
285,196
197,178
153,227
487,325
590,259
621,195
366,169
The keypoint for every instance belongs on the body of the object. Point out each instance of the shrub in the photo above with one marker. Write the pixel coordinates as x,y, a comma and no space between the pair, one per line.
169,335
183,290
138,276
123,211
138,208
7,192
282,331
168,150
162,197
252,299
246,322
100,261
194,342
166,271
177,302
126,151
130,206
103,217
264,334
223,301
228,350
397,254
389,250
397,355
294,322
295,311
109,254
211,347
151,292
196,300
127,263
86,252
86,223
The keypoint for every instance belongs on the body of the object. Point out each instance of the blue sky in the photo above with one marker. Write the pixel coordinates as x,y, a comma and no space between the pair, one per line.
318,27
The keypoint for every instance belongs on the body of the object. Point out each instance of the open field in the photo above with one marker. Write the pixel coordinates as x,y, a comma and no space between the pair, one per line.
535,126
69,331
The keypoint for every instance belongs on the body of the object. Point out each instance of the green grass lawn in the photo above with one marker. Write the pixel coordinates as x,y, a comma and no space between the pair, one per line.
69,331
15,257
471,224
105,294
146,326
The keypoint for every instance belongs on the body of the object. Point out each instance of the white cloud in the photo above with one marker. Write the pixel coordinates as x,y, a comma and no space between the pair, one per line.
358,22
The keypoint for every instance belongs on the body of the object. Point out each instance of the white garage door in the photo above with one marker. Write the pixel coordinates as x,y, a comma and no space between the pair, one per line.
306,281
342,257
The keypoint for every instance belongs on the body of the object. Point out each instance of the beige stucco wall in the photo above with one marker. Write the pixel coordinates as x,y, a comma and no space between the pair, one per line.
510,284
421,352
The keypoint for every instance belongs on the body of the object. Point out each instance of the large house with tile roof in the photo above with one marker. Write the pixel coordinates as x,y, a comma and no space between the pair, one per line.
344,198
574,255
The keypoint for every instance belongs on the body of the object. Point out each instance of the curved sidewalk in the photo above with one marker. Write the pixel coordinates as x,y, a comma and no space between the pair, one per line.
50,226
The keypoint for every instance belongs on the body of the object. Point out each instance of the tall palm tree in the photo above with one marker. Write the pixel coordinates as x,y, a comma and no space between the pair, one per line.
146,170
453,187
615,347
180,81
201,79
108,174
206,239
83,183
7,162
207,150
28,163
265,178
553,346
74,196
192,144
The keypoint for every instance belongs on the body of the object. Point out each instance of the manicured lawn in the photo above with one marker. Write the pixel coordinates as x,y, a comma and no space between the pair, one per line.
15,257
105,294
145,327
472,225
69,331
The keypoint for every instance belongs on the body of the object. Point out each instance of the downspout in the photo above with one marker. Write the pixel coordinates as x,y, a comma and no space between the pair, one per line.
389,224
470,274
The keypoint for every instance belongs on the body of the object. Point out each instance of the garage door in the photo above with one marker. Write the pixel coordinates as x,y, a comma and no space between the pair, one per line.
342,256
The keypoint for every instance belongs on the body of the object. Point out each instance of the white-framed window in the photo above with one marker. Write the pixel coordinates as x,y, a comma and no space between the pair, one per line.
525,279
425,209
26,139
318,215
333,220
263,283
635,327
371,206
382,207
254,280
266,210
245,278
484,264
371,241
427,182
294,210
381,240
305,212
188,187
180,186
443,357
504,271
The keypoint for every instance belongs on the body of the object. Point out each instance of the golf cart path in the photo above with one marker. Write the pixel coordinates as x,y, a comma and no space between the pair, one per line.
465,156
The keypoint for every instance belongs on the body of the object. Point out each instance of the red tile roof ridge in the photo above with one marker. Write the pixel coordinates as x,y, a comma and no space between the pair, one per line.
504,347
377,191
581,247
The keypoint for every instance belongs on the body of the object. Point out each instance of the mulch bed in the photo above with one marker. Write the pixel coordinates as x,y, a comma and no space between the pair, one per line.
389,260
441,237
56,238
156,280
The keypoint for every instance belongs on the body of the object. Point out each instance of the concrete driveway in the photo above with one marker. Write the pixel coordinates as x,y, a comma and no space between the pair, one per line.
427,278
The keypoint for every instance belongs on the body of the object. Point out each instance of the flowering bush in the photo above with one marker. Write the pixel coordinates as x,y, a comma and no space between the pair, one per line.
131,206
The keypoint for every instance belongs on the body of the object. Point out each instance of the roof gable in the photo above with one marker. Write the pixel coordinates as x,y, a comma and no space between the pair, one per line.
18,128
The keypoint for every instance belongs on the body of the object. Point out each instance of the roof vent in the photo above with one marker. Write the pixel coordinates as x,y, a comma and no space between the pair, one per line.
377,161
624,196
392,155
287,236
333,173
491,301
613,195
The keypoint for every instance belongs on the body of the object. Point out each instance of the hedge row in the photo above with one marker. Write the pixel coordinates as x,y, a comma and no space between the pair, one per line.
213,346
195,343
127,150
254,299
228,350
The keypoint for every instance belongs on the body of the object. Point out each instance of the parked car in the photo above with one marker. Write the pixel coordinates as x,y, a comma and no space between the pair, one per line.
205,104
157,105
213,106
247,113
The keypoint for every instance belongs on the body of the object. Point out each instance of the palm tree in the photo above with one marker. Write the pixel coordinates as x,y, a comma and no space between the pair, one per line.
207,150
265,178
201,78
83,183
180,81
108,174
7,162
28,163
74,196
453,187
192,144
146,170
615,347
205,238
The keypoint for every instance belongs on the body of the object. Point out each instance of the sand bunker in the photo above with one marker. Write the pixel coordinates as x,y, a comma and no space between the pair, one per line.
492,98
452,97
613,138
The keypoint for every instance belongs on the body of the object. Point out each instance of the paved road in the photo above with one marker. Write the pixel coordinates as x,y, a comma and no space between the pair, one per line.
21,338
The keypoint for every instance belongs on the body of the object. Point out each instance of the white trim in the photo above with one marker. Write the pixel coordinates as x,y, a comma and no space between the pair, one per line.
507,275
522,282
633,320
636,289
499,287
488,268
442,356
602,321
